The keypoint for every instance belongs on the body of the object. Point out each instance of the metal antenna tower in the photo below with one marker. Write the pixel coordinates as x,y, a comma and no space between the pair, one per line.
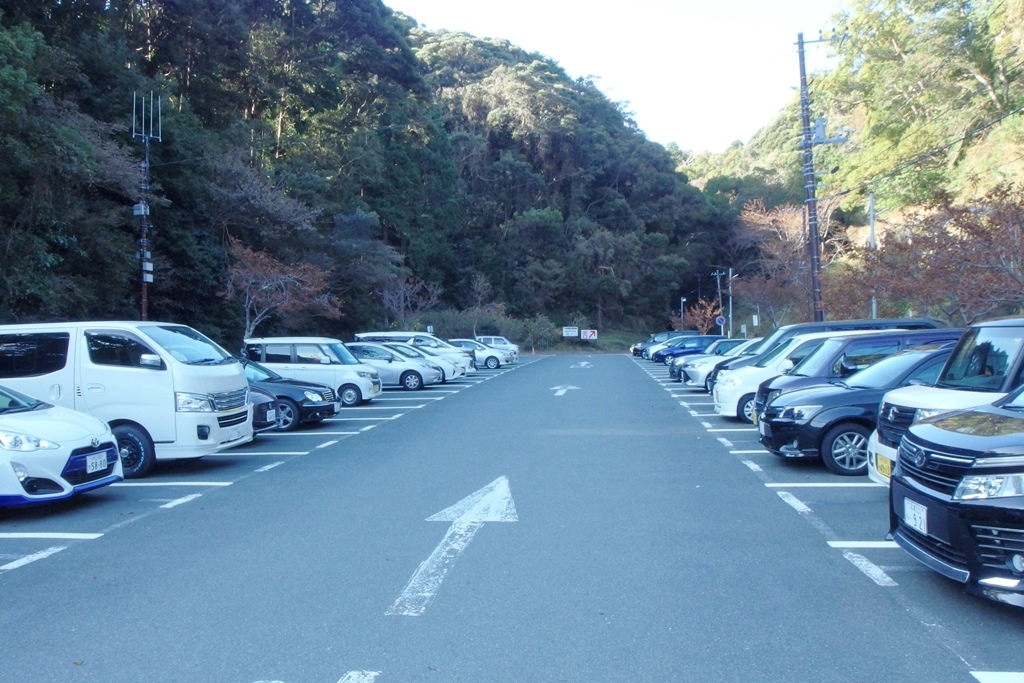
144,128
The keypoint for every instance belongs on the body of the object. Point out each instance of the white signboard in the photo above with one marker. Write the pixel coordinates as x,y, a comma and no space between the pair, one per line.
570,331
588,334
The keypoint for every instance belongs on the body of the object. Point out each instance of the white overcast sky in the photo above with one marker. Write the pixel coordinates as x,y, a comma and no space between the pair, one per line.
700,73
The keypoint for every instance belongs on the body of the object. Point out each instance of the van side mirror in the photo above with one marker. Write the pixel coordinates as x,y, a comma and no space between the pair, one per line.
786,365
151,360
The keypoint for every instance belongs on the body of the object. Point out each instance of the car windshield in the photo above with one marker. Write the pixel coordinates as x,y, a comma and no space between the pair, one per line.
406,351
777,353
255,372
186,345
981,359
12,401
815,364
341,352
887,372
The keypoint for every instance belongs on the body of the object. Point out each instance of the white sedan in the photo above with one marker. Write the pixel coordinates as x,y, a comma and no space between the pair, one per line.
483,354
49,453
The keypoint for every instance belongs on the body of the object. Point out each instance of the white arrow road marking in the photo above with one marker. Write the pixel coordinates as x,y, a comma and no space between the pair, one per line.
562,388
492,503
359,677
581,364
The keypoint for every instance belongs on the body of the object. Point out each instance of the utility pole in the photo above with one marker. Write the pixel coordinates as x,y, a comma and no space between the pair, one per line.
730,302
718,279
145,131
810,200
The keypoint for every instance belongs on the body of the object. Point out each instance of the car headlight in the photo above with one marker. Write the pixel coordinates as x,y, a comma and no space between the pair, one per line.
24,443
193,403
313,396
367,375
984,486
697,365
922,413
732,380
798,413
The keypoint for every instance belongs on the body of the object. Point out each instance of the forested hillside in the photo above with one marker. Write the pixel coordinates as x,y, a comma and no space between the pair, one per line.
328,138
326,166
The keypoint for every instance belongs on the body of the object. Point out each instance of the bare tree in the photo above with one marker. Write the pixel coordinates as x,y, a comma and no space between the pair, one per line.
406,299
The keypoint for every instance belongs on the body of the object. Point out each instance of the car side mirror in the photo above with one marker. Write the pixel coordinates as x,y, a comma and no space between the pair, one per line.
786,365
847,368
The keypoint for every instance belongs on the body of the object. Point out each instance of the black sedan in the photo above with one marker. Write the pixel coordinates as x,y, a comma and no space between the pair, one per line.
956,498
833,421
264,410
297,401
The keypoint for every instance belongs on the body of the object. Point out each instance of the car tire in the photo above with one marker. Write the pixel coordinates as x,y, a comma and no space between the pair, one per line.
745,409
492,363
135,449
844,449
288,415
349,395
411,381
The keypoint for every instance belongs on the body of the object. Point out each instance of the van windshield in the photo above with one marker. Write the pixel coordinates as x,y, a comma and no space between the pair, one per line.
982,358
816,364
776,353
187,345
342,353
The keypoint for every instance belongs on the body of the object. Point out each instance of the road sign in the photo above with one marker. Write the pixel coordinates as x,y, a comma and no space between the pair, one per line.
570,331
588,334
720,320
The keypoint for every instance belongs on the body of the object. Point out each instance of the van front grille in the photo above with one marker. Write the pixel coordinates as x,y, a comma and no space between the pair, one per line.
229,400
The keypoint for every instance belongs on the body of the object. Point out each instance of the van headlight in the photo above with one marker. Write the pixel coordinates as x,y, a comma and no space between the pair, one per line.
798,413
193,403
734,379
922,413
985,486
366,375
24,443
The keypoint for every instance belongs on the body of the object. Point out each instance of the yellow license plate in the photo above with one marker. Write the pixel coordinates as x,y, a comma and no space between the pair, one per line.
754,419
884,466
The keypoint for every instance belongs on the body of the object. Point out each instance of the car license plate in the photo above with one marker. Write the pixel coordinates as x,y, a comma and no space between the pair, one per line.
915,515
271,415
883,465
97,462
753,418
762,428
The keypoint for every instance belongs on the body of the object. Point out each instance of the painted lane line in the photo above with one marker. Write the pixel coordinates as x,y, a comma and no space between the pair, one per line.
317,433
492,503
999,676
827,484
259,453
271,466
753,466
51,535
706,425
367,428
181,501
863,544
725,442
325,444
359,677
870,569
759,452
31,558
143,484
793,502
696,414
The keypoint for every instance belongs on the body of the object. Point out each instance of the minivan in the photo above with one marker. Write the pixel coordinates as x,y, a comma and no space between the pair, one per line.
317,359
165,390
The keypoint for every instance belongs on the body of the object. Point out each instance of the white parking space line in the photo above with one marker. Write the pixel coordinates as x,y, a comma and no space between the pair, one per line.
367,428
870,569
863,544
760,451
51,535
990,676
325,444
142,484
278,453
31,558
827,484
793,502
369,419
753,466
734,429
271,466
181,501
725,442
317,433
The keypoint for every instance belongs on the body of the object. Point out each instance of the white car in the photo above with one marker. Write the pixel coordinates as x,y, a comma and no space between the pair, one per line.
435,345
449,368
693,370
501,343
734,391
49,453
484,355
395,369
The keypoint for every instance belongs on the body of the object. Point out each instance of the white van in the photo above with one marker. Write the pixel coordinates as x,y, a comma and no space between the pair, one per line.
318,359
165,390
986,364
461,357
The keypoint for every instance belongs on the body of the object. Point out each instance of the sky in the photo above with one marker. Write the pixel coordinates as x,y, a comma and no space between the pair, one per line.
700,73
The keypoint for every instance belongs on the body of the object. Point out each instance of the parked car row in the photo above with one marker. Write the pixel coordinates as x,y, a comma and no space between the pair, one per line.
938,414
85,404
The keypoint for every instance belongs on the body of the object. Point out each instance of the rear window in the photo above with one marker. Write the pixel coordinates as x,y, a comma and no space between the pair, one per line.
33,354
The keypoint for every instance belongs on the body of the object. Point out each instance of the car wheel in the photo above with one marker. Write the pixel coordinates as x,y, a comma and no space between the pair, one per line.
844,450
746,408
349,395
492,363
135,449
288,415
412,381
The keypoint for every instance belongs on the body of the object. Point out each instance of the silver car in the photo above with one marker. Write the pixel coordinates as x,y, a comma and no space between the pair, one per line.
449,369
484,355
395,369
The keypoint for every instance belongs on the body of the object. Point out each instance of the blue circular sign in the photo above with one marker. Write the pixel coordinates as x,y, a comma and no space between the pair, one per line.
720,320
